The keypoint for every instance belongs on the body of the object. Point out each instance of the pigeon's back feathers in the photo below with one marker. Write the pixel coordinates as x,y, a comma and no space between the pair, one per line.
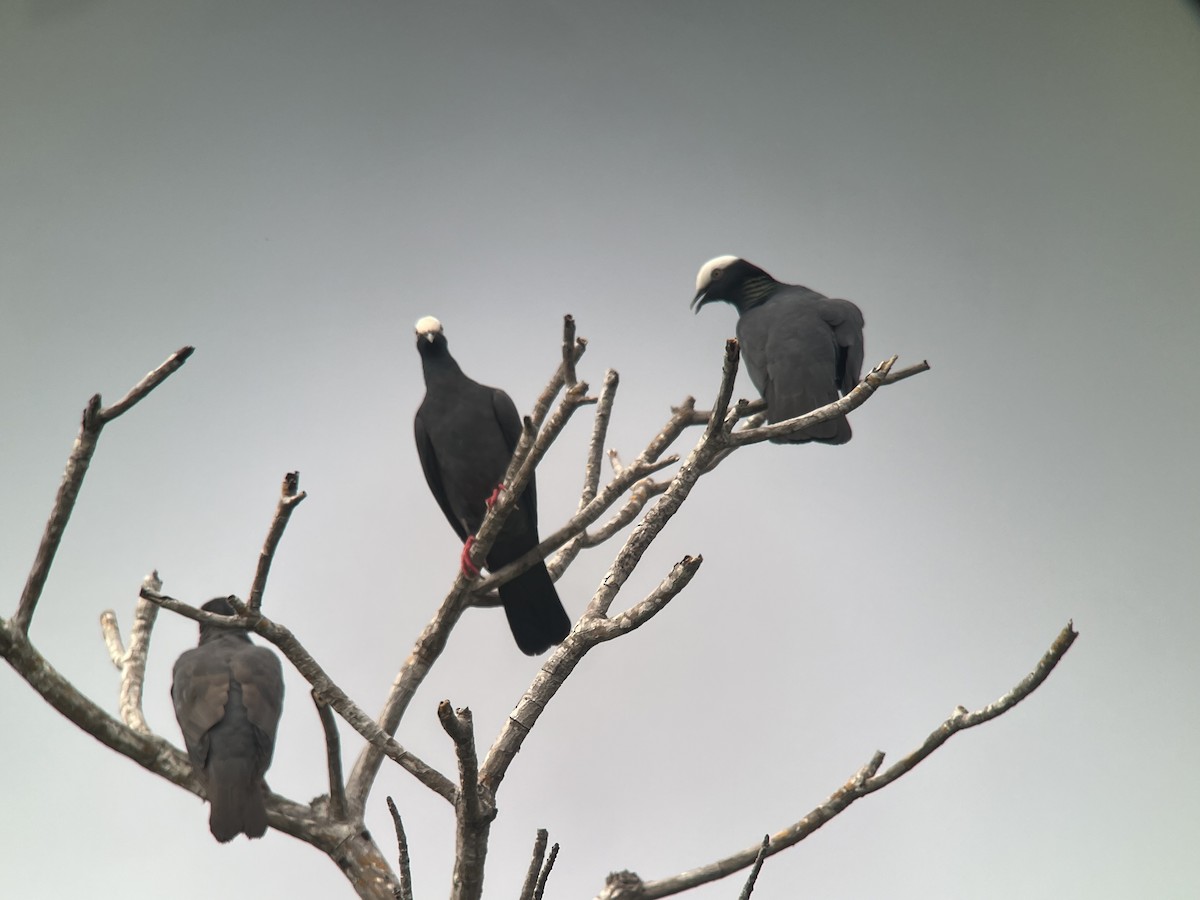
228,697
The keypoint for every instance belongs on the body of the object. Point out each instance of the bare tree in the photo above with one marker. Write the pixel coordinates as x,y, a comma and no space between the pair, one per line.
334,823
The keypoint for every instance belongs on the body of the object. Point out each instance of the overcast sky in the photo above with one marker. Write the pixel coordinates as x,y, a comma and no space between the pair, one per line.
1009,190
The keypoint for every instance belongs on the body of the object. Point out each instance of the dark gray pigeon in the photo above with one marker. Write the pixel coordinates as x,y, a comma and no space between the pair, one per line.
802,349
228,695
466,434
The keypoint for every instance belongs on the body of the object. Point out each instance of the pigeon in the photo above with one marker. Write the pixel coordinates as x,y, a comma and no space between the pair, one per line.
228,695
466,433
802,349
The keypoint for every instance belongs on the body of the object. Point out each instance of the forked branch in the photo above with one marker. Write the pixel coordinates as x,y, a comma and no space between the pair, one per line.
94,419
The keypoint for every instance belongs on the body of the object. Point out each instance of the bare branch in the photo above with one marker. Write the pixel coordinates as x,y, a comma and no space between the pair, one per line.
716,420
94,418
535,864
459,724
755,407
591,476
962,720
147,384
545,873
290,497
681,417
591,630
907,372
542,405
865,781
322,684
755,869
568,351
132,662
404,891
474,811
606,629
856,398
333,755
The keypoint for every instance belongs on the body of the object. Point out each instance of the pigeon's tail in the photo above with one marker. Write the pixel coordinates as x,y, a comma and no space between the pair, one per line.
783,404
236,798
535,614
235,786
835,431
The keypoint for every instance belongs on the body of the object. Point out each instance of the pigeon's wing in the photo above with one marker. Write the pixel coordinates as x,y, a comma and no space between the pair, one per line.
260,675
433,476
846,320
200,690
509,421
753,329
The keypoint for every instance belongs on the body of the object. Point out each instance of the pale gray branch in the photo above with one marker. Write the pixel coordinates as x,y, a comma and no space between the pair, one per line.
474,811
290,497
404,891
866,780
94,419
568,351
748,889
591,474
591,630
535,864
544,875
131,662
333,757
605,629
856,398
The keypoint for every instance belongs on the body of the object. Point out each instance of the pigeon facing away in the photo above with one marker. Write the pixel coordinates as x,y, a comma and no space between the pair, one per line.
466,434
802,349
228,694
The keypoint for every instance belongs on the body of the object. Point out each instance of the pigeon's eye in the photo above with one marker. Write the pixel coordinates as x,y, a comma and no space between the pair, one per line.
716,273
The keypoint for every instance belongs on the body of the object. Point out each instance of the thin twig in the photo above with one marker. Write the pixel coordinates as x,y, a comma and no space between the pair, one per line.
716,419
592,630
542,405
290,497
148,383
131,662
333,755
404,891
93,420
544,876
591,472
755,869
535,864
568,351
856,398
865,781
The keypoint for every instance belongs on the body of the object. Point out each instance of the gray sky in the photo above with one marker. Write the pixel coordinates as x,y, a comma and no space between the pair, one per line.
1009,190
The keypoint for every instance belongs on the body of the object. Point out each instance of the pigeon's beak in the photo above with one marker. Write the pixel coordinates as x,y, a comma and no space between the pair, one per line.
700,299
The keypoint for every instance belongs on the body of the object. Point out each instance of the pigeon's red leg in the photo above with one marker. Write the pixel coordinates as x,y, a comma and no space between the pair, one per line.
468,567
490,501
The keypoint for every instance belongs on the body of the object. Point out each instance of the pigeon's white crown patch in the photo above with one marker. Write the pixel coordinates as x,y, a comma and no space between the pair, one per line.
428,325
706,270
